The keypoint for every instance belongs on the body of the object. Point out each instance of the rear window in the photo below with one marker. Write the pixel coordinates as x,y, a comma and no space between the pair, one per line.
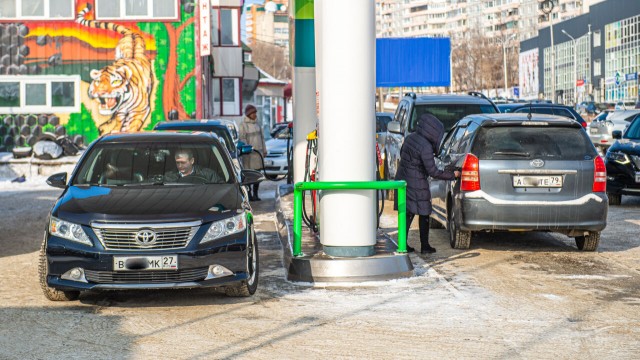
449,114
381,123
222,132
548,143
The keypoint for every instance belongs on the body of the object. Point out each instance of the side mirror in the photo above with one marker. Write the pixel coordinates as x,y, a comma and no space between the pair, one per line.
250,177
245,149
58,180
394,127
617,134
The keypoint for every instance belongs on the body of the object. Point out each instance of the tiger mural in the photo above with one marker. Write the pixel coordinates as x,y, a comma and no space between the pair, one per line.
122,89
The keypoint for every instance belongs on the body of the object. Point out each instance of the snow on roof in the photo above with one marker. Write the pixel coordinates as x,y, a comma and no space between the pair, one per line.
266,79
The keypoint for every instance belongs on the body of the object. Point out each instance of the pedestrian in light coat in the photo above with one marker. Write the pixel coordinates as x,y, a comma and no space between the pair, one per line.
417,164
251,134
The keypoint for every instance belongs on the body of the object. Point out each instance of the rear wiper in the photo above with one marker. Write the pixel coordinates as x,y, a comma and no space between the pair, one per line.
512,153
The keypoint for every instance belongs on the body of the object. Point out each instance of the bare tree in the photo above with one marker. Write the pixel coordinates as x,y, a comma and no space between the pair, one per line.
476,62
272,59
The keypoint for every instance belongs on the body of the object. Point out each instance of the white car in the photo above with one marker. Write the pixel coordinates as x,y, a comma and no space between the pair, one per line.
600,132
276,163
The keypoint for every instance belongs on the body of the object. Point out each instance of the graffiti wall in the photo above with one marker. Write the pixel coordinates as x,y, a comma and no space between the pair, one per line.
86,75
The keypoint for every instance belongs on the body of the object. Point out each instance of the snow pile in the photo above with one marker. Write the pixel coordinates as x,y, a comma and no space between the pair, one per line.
31,183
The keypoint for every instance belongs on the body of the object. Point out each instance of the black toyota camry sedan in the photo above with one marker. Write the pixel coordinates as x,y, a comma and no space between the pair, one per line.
623,163
150,211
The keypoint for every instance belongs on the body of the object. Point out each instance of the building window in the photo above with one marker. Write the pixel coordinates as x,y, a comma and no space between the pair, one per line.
596,38
226,96
224,27
37,9
596,67
137,9
39,94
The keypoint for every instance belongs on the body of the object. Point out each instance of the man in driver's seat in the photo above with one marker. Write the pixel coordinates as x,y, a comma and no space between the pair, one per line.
188,171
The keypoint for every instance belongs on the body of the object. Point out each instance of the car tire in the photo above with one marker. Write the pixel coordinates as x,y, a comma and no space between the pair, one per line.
434,224
248,287
614,199
49,292
274,177
458,239
588,242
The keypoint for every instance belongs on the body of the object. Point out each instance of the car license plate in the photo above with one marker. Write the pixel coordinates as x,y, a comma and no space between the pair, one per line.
593,130
268,162
143,263
537,181
638,177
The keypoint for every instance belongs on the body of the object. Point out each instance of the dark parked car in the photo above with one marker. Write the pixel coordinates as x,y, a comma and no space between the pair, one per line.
520,174
447,108
224,129
507,108
149,211
551,109
623,164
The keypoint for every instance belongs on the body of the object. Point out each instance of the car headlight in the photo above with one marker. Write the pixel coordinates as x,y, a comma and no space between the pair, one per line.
68,230
619,157
225,227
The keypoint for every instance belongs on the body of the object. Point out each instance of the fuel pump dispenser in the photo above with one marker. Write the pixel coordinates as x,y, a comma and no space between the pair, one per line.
310,171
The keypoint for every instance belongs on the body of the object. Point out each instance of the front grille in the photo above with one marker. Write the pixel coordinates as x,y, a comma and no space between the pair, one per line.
125,236
636,161
145,277
272,168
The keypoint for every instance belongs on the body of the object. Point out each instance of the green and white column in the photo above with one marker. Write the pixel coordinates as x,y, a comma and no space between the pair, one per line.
303,58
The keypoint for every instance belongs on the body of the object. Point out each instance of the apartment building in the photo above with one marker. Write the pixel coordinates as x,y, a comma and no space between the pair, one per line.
268,23
455,18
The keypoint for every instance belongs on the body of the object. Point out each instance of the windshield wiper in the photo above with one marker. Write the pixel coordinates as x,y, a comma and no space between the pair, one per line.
512,153
144,183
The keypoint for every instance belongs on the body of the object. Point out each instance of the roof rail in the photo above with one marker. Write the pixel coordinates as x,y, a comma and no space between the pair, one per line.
411,94
478,94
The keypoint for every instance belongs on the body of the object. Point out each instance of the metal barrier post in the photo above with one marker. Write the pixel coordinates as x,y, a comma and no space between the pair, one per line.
352,185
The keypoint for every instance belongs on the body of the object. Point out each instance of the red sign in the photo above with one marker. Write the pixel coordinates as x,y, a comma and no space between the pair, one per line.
580,83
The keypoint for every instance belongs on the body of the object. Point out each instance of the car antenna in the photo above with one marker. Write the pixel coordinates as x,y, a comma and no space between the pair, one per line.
529,114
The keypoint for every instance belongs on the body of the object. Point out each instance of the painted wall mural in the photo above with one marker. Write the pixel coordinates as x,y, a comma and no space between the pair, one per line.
128,74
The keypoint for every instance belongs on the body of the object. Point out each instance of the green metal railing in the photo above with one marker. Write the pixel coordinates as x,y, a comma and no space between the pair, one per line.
350,185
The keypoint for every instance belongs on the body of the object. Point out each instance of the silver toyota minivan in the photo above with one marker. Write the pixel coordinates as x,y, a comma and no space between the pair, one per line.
520,172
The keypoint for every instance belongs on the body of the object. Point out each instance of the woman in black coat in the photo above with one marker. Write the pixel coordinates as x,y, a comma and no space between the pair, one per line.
416,166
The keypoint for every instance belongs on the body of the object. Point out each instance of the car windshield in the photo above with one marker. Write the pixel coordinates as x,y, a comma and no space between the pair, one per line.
381,123
548,143
157,163
448,114
633,132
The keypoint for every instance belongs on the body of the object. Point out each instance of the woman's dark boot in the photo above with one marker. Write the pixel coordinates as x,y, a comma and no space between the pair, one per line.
425,248
255,192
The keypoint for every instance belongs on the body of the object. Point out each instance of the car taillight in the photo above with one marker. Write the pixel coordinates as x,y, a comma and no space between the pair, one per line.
599,175
470,177
584,125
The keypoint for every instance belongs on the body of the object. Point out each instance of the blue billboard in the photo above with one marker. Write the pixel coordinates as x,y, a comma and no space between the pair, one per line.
413,62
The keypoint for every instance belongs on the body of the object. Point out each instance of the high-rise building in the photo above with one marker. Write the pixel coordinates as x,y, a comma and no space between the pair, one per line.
455,18
268,23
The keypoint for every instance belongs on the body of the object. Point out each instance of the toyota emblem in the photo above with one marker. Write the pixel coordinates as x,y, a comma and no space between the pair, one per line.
538,163
146,237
